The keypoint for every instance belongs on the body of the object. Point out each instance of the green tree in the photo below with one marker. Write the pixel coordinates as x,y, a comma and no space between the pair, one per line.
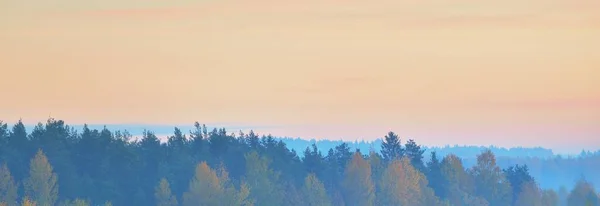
415,154
162,194
434,174
391,148
314,192
357,186
518,176
8,188
41,184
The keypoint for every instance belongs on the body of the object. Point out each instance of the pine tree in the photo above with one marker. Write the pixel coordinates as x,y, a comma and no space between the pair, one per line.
391,148
434,174
518,176
162,194
415,154
8,188
41,185
357,186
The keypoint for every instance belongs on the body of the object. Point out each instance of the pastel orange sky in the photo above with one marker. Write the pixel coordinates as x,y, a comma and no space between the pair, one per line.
502,72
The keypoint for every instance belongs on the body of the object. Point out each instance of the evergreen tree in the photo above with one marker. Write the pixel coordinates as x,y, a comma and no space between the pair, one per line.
41,185
415,154
19,151
391,148
434,174
518,176
313,160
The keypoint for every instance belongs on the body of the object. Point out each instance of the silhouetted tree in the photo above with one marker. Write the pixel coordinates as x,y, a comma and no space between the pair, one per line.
391,148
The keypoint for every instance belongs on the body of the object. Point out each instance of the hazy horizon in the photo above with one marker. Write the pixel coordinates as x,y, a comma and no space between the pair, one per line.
496,72
163,131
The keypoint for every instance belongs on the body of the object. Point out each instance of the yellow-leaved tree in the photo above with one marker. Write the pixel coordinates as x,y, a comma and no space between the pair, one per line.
28,202
8,188
41,184
402,184
314,192
162,194
357,185
207,189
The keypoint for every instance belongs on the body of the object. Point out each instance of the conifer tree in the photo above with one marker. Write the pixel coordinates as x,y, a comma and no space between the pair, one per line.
391,148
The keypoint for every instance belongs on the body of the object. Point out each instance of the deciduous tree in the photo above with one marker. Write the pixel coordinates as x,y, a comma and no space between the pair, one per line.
162,194
357,186
41,184
8,187
314,192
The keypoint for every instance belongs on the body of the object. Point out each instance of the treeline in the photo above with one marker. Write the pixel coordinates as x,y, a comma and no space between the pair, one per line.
56,165
550,170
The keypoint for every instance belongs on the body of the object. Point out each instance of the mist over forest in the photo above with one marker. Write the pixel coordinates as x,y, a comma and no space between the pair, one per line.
54,164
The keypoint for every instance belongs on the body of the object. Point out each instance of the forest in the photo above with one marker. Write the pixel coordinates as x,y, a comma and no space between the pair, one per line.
54,164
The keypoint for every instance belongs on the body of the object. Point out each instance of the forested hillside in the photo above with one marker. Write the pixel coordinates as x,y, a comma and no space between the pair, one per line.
56,165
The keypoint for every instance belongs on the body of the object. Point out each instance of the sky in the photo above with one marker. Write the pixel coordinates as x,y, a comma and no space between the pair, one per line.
502,72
